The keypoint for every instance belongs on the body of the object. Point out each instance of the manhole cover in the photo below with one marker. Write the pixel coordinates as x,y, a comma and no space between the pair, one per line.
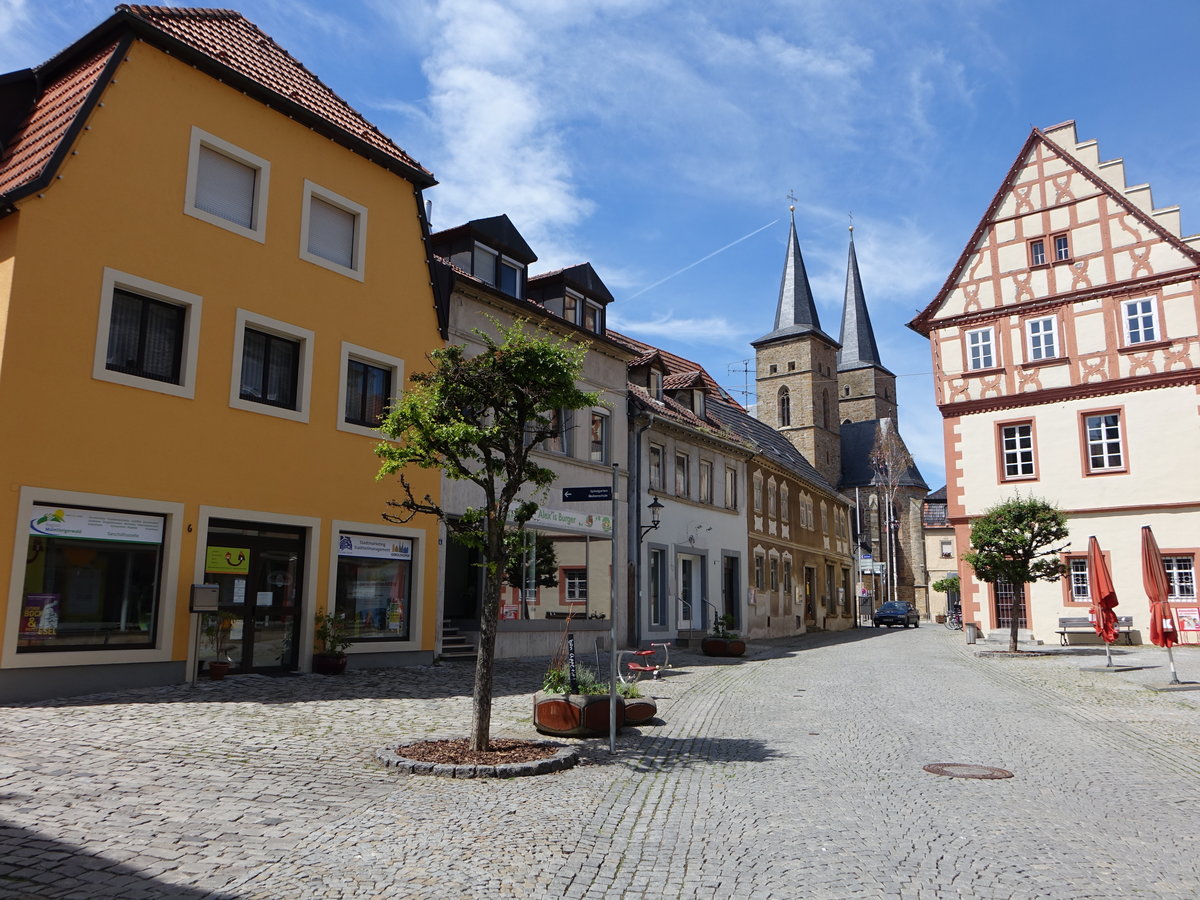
965,770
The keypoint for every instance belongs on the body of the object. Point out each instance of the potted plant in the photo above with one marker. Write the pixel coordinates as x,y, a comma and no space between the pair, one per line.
585,713
217,630
332,635
722,641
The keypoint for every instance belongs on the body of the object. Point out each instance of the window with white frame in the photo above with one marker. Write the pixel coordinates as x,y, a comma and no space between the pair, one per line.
731,488
575,585
946,549
656,467
980,351
147,335
1017,449
682,482
227,186
705,473
571,303
593,317
370,380
1081,586
272,364
562,421
483,263
1141,320
1037,252
759,562
1181,577
333,231
1043,338
598,445
1062,248
508,278
656,384
758,492
1102,436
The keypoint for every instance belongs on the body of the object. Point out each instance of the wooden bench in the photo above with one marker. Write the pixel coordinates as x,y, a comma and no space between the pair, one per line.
1083,625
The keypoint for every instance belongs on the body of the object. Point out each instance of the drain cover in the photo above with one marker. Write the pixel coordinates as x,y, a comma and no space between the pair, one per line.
966,770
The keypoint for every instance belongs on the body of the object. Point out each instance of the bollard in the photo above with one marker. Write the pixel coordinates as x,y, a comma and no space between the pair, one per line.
972,632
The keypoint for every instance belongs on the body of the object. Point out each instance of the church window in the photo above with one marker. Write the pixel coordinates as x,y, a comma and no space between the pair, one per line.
772,369
785,407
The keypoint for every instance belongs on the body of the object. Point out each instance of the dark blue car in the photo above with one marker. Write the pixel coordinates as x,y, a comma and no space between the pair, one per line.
897,612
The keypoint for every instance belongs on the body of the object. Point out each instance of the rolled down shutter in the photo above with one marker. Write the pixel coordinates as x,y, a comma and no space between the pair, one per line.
225,187
331,233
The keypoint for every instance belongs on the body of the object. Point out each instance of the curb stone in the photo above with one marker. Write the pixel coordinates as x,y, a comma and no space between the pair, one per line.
565,758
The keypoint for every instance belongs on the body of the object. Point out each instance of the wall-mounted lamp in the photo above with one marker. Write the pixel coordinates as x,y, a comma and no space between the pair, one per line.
656,509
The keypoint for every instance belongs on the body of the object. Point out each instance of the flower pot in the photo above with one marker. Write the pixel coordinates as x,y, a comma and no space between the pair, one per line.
941,620
639,710
574,715
329,663
218,670
715,646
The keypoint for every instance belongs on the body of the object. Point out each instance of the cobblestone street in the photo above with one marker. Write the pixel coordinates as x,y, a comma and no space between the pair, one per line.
796,772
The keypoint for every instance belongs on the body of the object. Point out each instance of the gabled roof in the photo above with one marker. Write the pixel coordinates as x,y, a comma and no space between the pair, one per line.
858,350
219,42
582,277
674,364
923,322
769,442
673,411
795,312
498,232
682,381
858,440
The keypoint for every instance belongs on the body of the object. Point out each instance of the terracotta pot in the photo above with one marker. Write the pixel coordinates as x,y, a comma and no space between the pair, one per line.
574,715
639,710
715,646
218,670
329,663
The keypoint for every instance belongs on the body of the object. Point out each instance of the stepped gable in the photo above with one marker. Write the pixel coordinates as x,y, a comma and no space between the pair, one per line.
1016,197
42,109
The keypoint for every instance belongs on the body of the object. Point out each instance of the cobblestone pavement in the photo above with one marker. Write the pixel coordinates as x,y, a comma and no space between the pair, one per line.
796,772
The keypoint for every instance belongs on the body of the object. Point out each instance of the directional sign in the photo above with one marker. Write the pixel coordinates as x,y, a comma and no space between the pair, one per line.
573,494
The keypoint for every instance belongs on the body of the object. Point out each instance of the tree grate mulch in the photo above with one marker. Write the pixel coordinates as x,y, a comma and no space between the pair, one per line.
455,758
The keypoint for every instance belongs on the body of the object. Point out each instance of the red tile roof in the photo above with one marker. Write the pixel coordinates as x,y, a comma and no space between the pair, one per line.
229,38
676,365
41,134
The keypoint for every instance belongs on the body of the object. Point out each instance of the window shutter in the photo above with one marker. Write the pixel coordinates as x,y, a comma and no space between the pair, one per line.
331,233
225,187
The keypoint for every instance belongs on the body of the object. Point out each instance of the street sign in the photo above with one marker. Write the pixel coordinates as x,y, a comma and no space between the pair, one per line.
573,494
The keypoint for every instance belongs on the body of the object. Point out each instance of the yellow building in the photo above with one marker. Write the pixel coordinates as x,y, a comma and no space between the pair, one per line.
213,274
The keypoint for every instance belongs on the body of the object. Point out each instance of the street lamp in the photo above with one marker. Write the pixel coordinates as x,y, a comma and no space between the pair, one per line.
655,509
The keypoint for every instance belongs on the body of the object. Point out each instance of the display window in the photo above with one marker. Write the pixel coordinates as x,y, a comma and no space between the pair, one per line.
374,586
92,580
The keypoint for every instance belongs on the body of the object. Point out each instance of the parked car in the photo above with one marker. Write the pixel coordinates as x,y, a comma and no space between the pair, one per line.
897,612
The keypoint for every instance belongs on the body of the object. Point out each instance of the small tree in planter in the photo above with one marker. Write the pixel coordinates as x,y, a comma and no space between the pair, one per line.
723,641
217,631
332,635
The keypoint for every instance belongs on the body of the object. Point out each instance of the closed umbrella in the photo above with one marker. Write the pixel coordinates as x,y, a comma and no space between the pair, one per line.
1163,632
1104,597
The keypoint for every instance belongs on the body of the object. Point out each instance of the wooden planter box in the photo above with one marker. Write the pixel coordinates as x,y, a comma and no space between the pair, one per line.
640,710
715,646
574,715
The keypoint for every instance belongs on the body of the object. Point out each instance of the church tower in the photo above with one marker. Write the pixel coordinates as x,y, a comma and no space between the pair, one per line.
866,390
796,370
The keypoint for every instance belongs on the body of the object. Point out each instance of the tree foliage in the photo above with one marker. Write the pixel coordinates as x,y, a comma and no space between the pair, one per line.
545,572
948,585
1018,541
478,418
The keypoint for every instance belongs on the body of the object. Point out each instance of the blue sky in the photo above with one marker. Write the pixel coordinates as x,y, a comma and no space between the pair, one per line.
644,136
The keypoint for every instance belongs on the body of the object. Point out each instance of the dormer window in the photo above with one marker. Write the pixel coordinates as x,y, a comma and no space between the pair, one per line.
656,384
571,304
510,277
593,317
698,403
483,264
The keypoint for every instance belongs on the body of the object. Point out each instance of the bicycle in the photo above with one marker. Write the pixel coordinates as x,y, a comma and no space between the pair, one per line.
630,672
954,621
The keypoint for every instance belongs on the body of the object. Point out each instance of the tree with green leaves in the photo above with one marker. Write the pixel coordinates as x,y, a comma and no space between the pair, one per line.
1019,542
478,418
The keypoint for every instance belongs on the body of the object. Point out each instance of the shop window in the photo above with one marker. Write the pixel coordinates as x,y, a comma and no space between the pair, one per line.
227,186
374,586
92,580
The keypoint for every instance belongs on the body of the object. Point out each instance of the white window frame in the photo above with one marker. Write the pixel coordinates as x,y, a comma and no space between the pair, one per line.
597,311
173,526
372,358
981,349
1181,576
247,319
577,302
684,470
1081,583
1104,441
1017,451
1146,319
704,472
312,191
114,280
731,487
1043,341
606,435
200,138
657,472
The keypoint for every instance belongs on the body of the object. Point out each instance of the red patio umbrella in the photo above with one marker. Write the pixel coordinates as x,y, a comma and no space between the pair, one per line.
1104,597
1163,632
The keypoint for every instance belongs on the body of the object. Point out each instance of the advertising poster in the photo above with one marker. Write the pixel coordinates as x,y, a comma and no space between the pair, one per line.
39,616
227,561
1189,619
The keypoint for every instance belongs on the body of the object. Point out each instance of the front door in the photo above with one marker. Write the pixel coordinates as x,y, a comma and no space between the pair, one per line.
259,570
730,582
690,591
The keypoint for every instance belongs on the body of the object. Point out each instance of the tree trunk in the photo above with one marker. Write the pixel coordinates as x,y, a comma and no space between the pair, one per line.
481,704
1018,608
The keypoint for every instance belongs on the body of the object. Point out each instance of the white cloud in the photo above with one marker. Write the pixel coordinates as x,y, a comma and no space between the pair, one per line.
712,330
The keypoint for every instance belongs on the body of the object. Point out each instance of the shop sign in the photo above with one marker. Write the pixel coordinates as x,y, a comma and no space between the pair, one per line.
565,520
373,546
101,525
227,561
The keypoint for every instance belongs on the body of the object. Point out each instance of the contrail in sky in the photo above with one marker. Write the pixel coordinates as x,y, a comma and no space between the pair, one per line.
702,259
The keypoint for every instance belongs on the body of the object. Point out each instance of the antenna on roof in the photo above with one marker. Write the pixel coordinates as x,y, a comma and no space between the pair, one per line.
742,366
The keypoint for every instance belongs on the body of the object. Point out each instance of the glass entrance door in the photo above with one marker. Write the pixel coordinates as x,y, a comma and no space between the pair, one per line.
259,570
690,592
